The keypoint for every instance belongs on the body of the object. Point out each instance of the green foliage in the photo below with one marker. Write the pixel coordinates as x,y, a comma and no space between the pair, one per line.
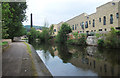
62,34
44,35
6,17
4,43
13,14
78,41
70,41
82,40
51,29
118,33
100,43
112,40
75,34
32,35
28,47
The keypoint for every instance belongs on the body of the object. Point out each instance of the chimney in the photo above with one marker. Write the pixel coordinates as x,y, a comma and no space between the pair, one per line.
31,21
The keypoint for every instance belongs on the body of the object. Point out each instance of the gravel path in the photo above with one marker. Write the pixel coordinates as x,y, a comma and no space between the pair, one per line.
16,61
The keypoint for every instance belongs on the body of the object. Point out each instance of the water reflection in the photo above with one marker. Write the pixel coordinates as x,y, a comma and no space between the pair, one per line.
66,60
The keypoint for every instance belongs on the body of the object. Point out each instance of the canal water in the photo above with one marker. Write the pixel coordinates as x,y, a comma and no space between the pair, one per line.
68,60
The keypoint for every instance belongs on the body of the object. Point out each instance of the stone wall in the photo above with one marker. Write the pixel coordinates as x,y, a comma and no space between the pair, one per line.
92,40
7,40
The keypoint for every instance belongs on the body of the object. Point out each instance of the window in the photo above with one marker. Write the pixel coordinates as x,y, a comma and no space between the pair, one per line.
83,25
80,24
93,23
105,67
87,32
117,15
104,20
73,27
113,3
86,25
105,29
99,19
89,22
111,19
54,30
100,29
87,17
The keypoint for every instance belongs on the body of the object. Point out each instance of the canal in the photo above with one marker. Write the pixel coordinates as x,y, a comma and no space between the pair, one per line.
68,60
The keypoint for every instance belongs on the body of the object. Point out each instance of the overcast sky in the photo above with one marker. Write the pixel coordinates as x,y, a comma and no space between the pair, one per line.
55,11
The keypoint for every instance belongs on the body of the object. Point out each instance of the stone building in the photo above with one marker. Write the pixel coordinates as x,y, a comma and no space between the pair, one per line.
105,17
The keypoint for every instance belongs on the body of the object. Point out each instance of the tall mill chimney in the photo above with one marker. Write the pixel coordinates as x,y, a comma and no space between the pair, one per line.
31,21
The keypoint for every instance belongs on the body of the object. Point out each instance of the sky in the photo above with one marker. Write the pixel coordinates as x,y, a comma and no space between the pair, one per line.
55,11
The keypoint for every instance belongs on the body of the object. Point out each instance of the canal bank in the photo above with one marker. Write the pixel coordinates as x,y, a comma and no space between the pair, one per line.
69,60
38,63
17,61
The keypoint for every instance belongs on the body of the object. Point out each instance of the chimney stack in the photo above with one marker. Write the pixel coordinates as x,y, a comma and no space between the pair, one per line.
31,21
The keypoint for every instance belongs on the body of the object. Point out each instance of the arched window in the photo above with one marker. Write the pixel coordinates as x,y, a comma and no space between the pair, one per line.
104,20
111,19
93,23
86,25
83,25
73,27
117,15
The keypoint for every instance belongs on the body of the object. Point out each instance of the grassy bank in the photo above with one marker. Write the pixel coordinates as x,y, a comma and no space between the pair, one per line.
33,65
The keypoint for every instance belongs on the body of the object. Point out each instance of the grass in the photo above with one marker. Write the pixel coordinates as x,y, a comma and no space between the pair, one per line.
28,47
25,39
4,43
33,65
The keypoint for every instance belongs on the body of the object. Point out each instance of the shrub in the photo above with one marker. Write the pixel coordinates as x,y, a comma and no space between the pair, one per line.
70,41
111,40
100,43
82,40
79,41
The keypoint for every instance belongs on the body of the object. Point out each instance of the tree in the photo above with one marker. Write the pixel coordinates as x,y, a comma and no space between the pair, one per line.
62,34
13,16
51,29
6,19
32,35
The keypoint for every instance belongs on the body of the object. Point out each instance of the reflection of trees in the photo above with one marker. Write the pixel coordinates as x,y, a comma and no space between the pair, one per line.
112,55
51,50
35,45
64,53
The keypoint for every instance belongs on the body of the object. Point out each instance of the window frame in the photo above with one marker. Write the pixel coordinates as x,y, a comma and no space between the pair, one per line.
93,22
111,19
104,20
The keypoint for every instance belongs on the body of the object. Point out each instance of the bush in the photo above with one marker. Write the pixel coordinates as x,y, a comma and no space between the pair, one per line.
82,40
100,43
70,41
112,39
79,41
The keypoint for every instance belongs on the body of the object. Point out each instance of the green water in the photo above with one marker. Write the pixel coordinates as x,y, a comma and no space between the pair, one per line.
68,60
